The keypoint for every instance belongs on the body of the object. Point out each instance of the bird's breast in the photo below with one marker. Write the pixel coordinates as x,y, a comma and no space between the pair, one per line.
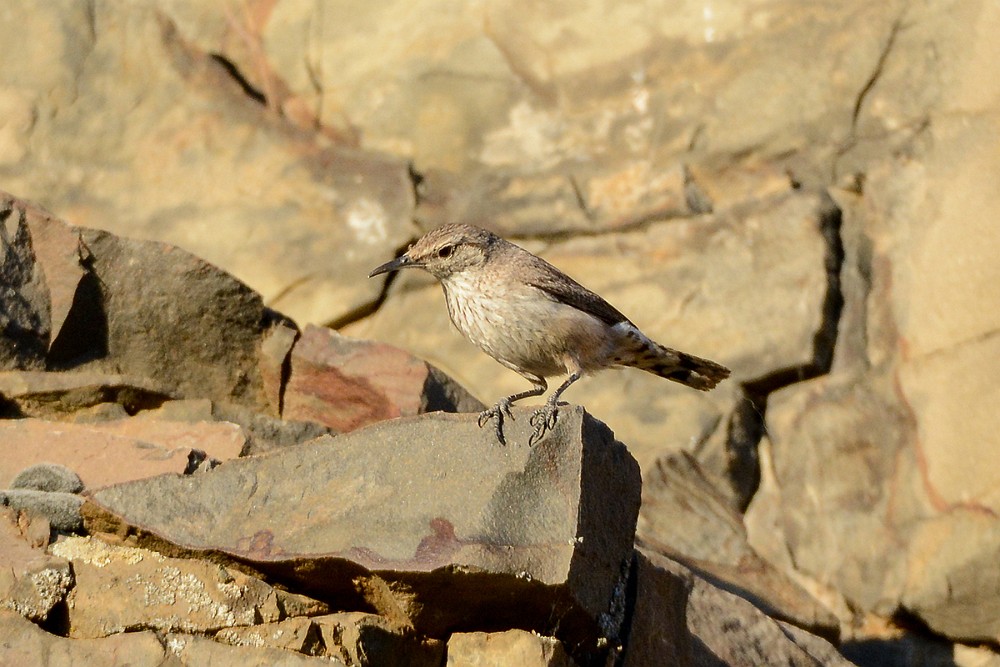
521,328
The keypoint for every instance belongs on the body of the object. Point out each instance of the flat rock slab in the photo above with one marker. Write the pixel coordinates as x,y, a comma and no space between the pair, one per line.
121,589
686,518
113,452
426,518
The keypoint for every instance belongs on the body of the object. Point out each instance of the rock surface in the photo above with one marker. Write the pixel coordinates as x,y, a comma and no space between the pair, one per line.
681,619
24,643
830,238
116,451
514,647
176,594
47,477
548,528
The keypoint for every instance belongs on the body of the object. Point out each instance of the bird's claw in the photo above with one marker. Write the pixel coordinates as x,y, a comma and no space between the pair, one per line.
497,412
544,420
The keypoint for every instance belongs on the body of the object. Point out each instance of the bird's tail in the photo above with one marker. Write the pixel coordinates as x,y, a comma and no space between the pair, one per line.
679,366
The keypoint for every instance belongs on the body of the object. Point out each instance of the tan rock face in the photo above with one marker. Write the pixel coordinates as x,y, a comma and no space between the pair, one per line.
676,157
304,221
514,647
127,588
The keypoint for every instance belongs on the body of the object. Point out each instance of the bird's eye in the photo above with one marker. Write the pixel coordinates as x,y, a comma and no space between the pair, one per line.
445,251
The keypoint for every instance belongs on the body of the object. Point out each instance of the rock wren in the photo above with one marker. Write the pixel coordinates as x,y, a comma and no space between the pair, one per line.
537,321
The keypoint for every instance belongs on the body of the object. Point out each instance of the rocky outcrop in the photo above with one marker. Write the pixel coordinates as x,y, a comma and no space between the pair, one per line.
803,192
534,530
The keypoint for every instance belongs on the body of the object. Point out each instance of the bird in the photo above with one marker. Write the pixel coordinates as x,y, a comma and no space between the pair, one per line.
537,321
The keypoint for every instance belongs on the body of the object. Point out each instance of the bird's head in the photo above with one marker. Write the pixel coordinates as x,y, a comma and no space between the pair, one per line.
445,251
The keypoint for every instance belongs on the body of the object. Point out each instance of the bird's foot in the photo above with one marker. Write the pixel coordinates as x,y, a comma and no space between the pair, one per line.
544,420
496,413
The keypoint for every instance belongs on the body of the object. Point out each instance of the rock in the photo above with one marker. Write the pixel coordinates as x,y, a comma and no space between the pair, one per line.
218,440
682,619
321,213
355,638
659,631
733,630
577,119
112,452
685,518
61,510
142,309
522,536
127,588
56,395
262,433
25,322
31,581
369,640
346,384
513,647
48,477
293,634
885,455
154,300
24,643
195,650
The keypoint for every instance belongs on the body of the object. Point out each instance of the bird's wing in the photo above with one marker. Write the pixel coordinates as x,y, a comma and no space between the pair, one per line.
561,288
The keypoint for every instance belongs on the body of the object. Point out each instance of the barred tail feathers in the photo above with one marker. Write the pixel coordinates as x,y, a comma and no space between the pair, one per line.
681,367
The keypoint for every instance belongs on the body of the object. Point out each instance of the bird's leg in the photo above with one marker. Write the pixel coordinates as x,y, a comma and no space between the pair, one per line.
502,407
544,418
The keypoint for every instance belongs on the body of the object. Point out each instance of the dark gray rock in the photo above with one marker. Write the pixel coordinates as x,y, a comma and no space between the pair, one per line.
426,519
87,299
61,509
48,477
25,323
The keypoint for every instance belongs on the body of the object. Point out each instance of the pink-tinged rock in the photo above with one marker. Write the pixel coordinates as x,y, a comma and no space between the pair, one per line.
346,383
31,581
24,643
113,452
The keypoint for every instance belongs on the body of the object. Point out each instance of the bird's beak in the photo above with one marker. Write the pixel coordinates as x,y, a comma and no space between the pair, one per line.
401,262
